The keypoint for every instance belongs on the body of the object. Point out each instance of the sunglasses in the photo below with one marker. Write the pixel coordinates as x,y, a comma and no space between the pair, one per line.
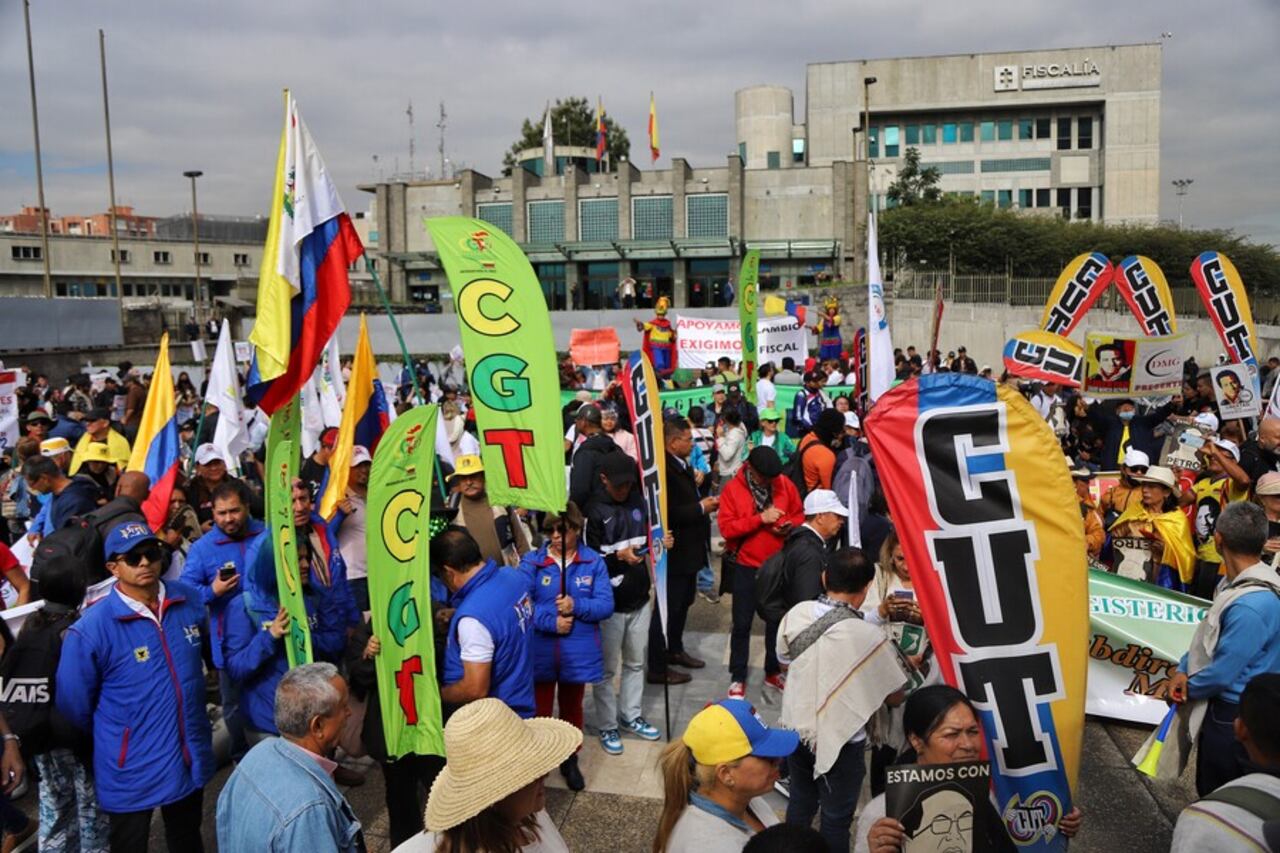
1138,469
151,553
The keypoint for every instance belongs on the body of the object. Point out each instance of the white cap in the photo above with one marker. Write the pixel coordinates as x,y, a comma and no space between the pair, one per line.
823,500
1229,446
359,454
1208,420
207,453
1134,458
851,421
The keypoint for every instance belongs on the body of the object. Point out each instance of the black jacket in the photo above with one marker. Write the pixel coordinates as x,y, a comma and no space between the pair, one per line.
1141,432
611,527
584,476
804,561
688,523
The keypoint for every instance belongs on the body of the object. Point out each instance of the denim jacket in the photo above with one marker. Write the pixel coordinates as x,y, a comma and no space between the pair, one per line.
280,799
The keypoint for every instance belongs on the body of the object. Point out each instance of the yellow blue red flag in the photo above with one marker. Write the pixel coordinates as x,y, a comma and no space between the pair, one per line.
157,448
365,416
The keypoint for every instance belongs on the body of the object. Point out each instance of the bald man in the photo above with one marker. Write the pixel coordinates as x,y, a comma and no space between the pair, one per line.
1261,454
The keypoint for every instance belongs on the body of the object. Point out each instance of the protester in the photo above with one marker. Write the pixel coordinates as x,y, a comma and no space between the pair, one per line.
621,437
1170,555
584,476
500,531
18,828
714,777
571,597
766,391
1123,427
817,450
1238,639
68,496
315,468
757,512
282,796
840,671
1127,492
1094,533
1261,454
98,430
731,445
38,424
479,804
1267,490
808,404
99,467
351,523
770,436
1222,482
807,551
129,667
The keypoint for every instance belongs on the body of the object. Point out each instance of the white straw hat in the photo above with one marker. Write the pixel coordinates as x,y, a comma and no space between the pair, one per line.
493,753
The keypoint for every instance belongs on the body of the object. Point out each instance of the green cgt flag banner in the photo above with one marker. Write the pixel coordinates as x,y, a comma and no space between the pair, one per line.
748,282
511,361
399,586
282,465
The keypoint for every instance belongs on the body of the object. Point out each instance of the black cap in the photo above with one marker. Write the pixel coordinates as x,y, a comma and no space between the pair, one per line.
814,376
765,462
733,388
619,468
39,415
98,414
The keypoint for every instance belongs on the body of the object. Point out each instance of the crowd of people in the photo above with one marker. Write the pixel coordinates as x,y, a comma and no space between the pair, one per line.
164,649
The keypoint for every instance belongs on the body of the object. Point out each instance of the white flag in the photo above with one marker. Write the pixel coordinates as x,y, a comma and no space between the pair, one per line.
880,348
230,436
322,398
548,146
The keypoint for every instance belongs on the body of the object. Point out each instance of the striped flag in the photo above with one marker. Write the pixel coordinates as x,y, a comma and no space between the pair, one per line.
653,129
157,448
600,140
365,416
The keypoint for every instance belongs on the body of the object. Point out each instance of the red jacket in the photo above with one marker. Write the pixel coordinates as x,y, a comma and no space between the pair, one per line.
740,524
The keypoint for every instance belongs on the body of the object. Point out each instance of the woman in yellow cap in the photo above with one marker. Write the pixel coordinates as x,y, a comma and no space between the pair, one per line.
714,776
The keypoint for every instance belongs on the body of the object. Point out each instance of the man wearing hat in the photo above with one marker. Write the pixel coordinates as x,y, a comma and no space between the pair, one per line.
97,428
962,363
1127,492
584,474
59,450
758,509
1094,533
1218,485
351,525
769,435
315,467
129,668
499,531
1267,490
719,396
808,549
38,424
98,466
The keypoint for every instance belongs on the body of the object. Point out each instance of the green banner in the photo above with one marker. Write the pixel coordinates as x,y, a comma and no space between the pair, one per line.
701,396
399,587
511,362
748,279
282,463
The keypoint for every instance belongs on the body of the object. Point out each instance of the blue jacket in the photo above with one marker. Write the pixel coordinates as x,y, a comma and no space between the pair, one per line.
336,567
207,556
66,428
255,660
78,498
139,687
576,657
279,799
499,599
1248,645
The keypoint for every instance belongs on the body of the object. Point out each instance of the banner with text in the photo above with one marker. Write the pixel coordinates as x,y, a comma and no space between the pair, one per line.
1120,366
1075,291
640,387
1044,356
1141,282
10,430
282,465
703,339
748,295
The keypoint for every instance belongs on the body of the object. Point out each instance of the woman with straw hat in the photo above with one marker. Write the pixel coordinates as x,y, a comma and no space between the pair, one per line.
714,776
1161,530
490,798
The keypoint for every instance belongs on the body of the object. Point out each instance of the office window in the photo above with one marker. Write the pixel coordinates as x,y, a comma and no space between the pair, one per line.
27,253
1064,202
1042,197
125,256
496,213
162,258
242,259
128,289
651,218
949,133
1006,198
546,221
1043,127
707,215
1026,129
1016,164
742,151
966,131
1064,134
202,258
892,140
913,134
988,196
953,167
598,219
1084,132
773,159
1004,129
797,151
1025,199
1084,203
873,139
929,134
988,133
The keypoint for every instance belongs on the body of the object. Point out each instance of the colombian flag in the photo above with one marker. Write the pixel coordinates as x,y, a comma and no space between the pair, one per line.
303,289
653,129
156,449
600,141
365,416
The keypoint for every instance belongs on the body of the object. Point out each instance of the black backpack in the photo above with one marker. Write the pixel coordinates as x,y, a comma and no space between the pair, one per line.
27,675
80,542
794,469
772,602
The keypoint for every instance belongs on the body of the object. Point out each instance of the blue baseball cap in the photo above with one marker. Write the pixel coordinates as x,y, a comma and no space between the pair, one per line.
126,536
731,729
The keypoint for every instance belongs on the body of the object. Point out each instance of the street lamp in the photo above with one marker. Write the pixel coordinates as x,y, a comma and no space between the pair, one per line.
1181,185
198,301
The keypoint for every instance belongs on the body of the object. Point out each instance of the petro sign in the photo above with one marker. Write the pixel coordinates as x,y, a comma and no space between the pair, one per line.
1047,75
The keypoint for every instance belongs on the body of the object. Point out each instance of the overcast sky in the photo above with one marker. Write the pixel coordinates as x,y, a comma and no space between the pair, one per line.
197,85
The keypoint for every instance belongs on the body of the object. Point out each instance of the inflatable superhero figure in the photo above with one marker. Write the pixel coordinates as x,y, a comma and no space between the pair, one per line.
659,341
828,331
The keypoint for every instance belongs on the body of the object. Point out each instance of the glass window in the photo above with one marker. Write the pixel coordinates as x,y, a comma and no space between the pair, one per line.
598,219
1064,134
954,167
651,218
1025,198
988,131
1084,133
546,221
929,134
551,277
1064,202
1026,129
1042,198
708,282
1084,203
496,213
1016,164
653,279
949,133
773,159
742,150
1005,129
988,196
874,139
1006,198
891,140
1043,126
797,151
913,134
707,215
966,131
599,283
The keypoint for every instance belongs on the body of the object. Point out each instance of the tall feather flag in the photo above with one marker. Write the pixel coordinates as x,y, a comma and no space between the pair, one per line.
600,136
156,450
231,435
303,289
548,145
880,346
653,129
365,416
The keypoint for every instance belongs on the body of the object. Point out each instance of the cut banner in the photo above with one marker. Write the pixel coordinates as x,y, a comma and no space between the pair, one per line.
1077,288
1119,366
640,387
510,361
1222,291
1045,357
398,539
1141,282
992,535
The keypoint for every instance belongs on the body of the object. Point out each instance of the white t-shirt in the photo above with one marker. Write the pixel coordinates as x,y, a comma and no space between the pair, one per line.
766,394
475,640
835,377
549,840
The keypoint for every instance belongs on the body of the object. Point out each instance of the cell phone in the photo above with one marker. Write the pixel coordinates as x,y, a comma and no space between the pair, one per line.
226,573
904,593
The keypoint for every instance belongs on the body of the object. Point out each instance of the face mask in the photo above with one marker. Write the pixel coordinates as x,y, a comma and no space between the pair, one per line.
1126,416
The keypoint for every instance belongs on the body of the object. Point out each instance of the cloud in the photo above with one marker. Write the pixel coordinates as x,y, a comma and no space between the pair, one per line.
198,85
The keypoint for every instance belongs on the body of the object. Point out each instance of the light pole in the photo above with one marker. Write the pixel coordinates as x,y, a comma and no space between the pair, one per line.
1181,185
35,130
198,301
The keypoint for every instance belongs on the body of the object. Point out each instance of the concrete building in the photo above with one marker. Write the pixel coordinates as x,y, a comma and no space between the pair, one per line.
128,223
1072,132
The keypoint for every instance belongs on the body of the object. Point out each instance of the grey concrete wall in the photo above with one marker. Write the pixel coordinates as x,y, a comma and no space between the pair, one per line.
763,117
28,323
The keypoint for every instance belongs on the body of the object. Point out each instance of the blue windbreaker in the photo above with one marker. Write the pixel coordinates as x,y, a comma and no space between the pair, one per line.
576,657
498,598
207,556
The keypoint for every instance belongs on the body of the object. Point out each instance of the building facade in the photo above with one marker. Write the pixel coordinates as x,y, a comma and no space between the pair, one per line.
128,223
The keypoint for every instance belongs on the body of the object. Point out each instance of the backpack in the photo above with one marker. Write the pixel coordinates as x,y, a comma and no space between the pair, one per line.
27,674
794,469
78,541
771,587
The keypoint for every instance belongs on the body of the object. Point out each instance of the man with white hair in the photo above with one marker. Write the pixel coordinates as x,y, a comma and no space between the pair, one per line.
282,795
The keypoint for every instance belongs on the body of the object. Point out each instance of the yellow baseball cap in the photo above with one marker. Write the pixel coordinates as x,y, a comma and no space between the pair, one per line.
465,466
54,447
731,729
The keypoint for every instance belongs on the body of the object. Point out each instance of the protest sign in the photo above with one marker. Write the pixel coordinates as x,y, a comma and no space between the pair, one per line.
1119,366
1141,282
683,399
783,337
398,538
991,530
1044,356
282,463
1235,388
9,431
640,387
748,278
592,347
244,352
1077,288
944,806
510,361
703,339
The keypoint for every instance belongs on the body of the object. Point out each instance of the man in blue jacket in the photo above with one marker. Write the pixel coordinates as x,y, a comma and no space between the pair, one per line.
131,672
488,652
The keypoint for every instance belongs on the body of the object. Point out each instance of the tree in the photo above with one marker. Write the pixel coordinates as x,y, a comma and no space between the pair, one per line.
573,122
914,184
